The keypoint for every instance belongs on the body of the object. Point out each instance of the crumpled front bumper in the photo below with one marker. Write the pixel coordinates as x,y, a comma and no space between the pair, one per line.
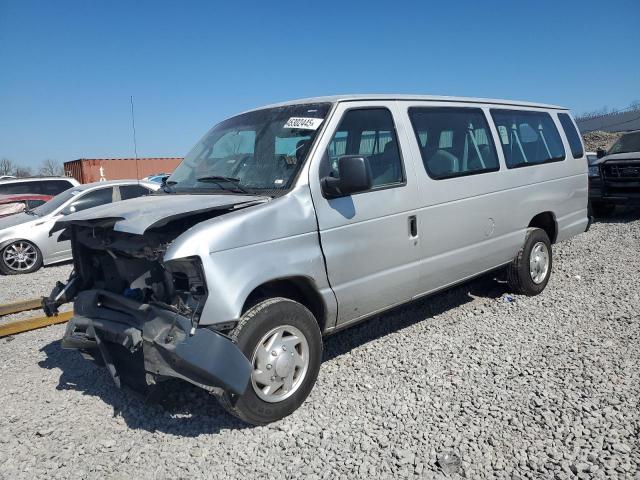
127,335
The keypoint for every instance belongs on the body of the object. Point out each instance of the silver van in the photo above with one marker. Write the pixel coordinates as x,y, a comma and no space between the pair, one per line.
293,221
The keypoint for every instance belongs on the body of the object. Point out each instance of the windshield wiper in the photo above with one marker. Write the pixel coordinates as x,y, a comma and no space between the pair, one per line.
219,180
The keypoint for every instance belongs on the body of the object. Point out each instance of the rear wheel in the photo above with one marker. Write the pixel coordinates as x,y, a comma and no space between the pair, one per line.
282,340
20,256
529,272
602,209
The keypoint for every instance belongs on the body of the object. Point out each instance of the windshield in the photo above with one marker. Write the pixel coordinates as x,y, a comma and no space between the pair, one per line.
626,144
57,201
260,150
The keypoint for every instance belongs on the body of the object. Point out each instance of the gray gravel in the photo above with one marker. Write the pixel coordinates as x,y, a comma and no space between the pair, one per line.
14,288
465,382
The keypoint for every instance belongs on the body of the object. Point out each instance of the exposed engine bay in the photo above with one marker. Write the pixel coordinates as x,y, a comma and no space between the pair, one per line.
131,264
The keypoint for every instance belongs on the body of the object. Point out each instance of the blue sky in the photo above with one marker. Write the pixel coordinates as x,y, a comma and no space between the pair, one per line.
67,68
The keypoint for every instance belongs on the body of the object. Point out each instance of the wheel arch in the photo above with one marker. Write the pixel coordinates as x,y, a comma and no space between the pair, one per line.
298,288
547,222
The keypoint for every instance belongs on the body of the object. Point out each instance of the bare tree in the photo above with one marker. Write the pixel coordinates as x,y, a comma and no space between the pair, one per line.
633,107
6,167
21,172
51,168
595,113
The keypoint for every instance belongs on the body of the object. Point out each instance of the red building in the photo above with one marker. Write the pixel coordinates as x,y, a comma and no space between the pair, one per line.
87,170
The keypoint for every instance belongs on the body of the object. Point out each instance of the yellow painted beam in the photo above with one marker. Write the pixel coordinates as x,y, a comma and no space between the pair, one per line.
19,326
21,306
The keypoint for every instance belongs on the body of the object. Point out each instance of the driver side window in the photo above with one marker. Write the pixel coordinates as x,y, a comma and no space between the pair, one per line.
92,199
369,133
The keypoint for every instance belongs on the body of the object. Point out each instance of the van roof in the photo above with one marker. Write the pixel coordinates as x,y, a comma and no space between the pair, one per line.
391,96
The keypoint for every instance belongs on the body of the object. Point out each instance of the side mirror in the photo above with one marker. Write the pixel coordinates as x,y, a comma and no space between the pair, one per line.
600,153
354,175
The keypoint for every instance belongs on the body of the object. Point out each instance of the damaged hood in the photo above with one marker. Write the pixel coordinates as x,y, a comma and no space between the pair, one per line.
138,215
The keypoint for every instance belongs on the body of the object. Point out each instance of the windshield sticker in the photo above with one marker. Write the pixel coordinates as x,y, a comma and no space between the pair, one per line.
303,123
279,181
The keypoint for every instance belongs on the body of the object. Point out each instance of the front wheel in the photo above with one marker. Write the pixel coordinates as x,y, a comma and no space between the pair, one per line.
282,340
529,272
20,256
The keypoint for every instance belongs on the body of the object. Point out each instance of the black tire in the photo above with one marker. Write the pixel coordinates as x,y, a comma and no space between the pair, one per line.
518,272
257,322
7,269
602,209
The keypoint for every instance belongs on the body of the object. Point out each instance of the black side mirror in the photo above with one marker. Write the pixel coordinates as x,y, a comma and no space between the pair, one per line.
354,175
600,153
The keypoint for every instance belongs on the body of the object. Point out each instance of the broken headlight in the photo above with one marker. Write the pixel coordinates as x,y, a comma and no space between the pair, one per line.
189,289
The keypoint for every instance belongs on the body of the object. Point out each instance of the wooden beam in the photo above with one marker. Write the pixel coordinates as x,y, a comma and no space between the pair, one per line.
21,306
19,326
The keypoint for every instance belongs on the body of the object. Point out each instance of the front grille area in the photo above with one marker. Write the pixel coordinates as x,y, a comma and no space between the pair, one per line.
622,171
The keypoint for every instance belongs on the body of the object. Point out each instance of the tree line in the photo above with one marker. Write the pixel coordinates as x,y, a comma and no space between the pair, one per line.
47,168
633,107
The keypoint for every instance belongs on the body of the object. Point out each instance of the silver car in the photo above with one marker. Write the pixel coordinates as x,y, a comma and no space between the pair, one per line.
293,221
25,242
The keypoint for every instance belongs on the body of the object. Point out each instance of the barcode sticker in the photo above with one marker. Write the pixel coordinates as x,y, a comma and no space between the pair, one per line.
304,123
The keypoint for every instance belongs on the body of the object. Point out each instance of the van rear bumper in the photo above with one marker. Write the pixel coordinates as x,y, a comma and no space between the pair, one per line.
141,344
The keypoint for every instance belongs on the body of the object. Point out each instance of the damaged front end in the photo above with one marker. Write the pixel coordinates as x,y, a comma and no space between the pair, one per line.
139,315
141,344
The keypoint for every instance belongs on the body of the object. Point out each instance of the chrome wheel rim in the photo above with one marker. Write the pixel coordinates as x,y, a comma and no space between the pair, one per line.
539,263
20,256
280,363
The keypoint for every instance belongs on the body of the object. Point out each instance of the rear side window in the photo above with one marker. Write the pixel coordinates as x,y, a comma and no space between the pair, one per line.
54,187
20,187
454,142
370,133
528,138
40,187
132,191
572,135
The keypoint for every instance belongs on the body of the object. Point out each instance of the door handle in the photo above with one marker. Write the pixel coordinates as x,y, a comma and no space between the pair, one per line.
413,226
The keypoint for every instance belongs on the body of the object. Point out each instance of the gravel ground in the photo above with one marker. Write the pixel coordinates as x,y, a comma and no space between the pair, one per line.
14,288
542,387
